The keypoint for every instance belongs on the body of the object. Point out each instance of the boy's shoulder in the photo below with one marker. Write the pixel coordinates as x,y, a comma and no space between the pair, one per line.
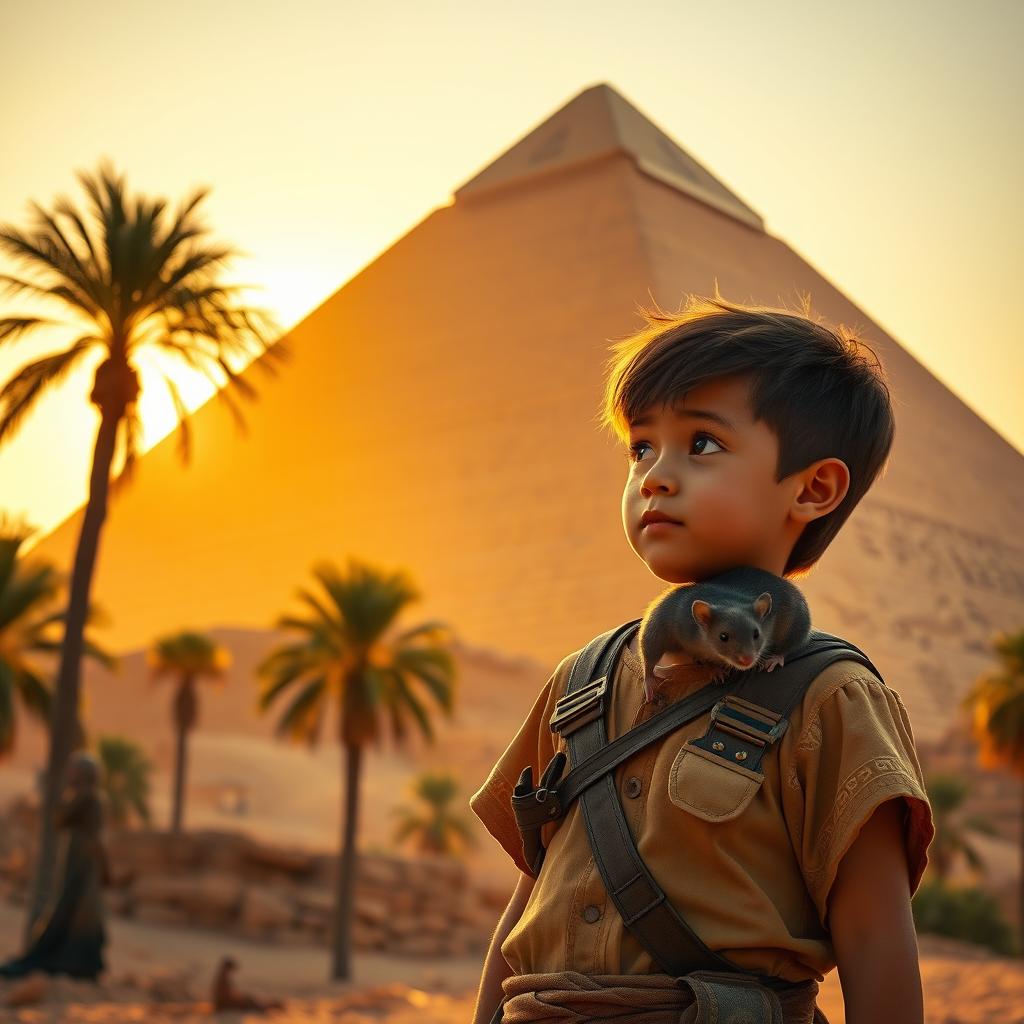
849,677
845,677
850,717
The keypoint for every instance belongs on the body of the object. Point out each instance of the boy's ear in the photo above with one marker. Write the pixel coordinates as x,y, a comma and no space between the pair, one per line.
824,485
701,613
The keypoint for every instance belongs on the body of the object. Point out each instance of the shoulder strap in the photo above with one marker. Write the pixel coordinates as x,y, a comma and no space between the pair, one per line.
535,806
641,902
763,690
749,714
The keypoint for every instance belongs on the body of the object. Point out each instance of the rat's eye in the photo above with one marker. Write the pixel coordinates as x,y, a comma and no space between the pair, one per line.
723,637
756,634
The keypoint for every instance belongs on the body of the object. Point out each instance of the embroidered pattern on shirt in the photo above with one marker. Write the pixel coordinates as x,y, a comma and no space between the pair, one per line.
810,735
860,789
809,740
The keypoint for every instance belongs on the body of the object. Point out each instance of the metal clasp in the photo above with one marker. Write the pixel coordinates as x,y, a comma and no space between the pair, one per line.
750,722
574,710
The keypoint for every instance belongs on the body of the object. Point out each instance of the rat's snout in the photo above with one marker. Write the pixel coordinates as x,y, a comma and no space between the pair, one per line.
745,660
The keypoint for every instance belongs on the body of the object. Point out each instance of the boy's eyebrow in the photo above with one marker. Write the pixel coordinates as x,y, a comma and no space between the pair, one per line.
696,414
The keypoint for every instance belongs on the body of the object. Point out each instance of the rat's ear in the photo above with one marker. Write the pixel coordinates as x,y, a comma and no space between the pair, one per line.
763,605
701,613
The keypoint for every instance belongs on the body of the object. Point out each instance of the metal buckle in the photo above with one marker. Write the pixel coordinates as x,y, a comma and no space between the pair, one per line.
748,721
574,710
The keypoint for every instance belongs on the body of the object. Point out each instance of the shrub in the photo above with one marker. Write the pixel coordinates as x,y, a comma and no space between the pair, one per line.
963,912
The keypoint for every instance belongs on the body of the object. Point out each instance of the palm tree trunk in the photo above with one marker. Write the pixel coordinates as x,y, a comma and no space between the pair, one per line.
184,718
344,902
179,781
64,713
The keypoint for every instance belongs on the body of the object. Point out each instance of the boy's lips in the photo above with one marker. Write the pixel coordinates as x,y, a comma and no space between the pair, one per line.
655,517
660,526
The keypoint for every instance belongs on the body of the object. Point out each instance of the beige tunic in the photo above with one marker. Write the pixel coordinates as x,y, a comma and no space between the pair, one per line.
753,884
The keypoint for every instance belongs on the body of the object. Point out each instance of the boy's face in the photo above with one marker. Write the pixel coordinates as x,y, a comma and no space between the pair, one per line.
715,479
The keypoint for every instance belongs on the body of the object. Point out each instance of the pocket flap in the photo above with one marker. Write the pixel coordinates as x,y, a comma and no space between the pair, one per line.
709,786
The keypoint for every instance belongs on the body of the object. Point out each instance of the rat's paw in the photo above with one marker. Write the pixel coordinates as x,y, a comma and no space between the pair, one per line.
773,660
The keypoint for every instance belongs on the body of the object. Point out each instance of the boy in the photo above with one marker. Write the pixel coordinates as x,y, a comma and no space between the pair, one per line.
758,431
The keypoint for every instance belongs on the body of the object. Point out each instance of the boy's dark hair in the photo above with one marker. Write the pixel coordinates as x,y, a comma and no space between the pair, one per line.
812,385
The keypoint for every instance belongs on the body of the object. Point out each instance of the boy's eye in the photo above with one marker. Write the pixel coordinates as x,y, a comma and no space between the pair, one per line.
633,450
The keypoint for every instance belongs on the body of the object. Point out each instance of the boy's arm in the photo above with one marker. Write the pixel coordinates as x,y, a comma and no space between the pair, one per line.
872,926
496,968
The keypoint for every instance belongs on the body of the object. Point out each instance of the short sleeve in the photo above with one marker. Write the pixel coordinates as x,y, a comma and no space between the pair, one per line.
532,745
855,751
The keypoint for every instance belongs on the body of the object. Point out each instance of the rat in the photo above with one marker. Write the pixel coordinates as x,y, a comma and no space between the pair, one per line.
738,619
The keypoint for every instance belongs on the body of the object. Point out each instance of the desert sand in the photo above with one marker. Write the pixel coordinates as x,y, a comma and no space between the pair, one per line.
159,974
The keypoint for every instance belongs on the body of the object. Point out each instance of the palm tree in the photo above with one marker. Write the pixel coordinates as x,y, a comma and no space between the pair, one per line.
126,771
952,833
28,590
435,829
349,653
136,277
188,657
996,701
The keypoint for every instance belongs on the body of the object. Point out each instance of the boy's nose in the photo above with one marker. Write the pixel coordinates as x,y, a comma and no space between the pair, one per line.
658,479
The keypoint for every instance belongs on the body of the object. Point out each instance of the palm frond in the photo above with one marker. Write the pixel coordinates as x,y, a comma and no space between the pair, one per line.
131,432
63,207
21,391
434,667
90,649
35,695
299,720
972,858
300,625
417,709
462,830
44,255
398,729
434,629
12,326
293,657
9,546
29,586
173,291
281,671
195,355
410,826
327,616
181,410
82,275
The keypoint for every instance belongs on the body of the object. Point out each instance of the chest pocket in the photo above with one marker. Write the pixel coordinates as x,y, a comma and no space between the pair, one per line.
710,787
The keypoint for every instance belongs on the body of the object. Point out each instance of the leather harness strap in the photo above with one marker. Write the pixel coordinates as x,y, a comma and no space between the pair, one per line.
749,713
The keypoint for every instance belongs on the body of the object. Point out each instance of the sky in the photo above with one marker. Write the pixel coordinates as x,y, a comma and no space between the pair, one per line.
882,141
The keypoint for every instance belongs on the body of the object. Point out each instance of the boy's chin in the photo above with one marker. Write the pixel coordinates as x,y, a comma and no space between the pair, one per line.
671,564
679,570
672,571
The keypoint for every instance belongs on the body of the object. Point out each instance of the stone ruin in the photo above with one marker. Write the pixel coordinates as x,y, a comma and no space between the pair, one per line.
229,882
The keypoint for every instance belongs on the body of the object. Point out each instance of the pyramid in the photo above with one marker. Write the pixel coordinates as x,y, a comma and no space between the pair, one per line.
439,415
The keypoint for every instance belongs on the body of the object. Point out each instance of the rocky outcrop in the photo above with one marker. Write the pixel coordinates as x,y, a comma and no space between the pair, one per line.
229,882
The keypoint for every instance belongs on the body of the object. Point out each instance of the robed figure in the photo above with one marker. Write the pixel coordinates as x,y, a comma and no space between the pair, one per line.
70,937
